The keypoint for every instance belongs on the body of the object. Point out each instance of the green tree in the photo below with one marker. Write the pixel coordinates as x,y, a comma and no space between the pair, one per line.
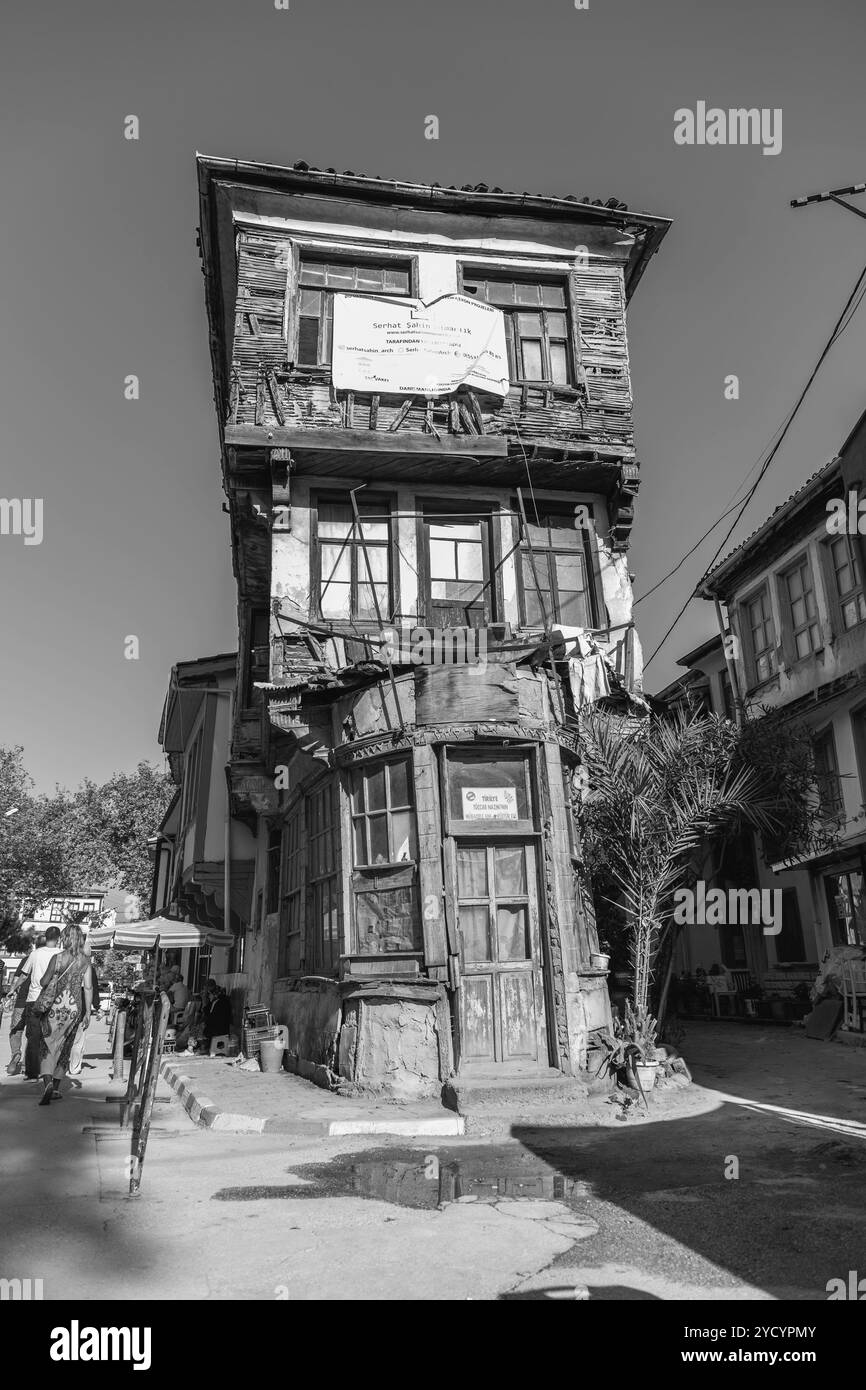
73,840
665,794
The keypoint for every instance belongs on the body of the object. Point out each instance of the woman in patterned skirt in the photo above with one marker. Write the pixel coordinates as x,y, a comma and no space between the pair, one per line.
69,982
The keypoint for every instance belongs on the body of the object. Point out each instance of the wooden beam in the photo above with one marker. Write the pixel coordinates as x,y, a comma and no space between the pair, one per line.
363,441
401,415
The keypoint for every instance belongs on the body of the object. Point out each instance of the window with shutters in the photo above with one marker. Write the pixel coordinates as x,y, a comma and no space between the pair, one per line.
827,775
537,334
555,576
345,555
802,631
292,908
760,636
324,923
319,281
846,582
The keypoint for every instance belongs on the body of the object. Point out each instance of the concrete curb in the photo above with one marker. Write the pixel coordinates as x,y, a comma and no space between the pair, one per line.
205,1113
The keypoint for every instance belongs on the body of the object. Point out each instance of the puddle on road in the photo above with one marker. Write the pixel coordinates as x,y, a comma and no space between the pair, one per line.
425,1181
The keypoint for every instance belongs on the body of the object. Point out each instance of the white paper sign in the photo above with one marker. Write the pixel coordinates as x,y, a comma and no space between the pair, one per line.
406,347
489,803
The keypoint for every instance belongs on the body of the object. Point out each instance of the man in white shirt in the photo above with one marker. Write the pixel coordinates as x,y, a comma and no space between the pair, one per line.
35,966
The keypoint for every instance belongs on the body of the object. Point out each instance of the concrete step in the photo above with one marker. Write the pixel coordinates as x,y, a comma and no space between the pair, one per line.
518,1092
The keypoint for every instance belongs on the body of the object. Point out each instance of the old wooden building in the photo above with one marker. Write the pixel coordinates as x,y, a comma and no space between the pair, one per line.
425,415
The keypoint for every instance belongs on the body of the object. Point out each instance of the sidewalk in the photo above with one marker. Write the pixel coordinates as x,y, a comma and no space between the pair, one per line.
217,1095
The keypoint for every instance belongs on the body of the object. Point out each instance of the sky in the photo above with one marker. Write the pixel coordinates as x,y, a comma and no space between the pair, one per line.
100,278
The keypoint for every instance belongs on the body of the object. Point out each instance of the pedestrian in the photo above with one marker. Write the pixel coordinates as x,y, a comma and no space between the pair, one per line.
64,1002
35,967
18,986
76,1056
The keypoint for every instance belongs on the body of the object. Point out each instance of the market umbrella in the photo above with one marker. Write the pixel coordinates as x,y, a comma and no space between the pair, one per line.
163,932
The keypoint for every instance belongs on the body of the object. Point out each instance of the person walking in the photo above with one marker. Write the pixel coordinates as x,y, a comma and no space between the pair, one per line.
76,1056
34,968
64,1002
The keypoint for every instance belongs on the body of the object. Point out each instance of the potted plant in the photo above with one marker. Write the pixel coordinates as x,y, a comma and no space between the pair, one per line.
600,959
630,1050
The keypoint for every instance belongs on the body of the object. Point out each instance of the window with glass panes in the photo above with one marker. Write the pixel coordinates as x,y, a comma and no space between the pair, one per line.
344,590
385,854
457,550
555,572
536,326
291,917
325,916
827,774
494,902
383,814
849,585
762,637
319,281
798,596
272,893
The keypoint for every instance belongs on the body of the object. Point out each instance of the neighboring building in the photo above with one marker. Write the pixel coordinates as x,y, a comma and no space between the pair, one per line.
191,877
794,596
706,686
84,908
417,904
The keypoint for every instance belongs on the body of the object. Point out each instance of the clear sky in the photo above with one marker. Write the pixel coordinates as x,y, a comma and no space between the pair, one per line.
99,277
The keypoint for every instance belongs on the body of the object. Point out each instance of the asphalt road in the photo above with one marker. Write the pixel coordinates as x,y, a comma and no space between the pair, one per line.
647,1209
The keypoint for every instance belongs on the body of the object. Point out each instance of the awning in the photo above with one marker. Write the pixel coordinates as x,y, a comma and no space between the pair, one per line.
143,936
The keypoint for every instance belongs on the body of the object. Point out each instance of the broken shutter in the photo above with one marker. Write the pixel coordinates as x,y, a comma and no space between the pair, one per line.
786,651
829,574
574,324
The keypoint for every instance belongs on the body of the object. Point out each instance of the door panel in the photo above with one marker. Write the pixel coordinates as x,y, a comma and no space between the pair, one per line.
478,1018
518,1021
501,994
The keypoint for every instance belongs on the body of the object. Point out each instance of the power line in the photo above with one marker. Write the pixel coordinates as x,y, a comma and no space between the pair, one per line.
837,331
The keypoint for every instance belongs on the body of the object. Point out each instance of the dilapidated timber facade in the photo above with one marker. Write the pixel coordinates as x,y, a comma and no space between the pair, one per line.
414,554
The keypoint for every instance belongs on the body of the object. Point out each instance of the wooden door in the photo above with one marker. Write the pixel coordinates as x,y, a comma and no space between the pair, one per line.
501,988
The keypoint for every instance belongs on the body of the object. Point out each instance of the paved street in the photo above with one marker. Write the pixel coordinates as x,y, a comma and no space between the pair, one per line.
640,1209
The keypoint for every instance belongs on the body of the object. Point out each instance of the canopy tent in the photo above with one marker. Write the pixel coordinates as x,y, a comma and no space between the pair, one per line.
163,932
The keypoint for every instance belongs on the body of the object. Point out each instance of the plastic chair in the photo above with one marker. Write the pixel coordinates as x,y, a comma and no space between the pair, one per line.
219,1045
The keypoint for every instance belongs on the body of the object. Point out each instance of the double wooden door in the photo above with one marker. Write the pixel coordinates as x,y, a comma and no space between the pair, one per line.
501,991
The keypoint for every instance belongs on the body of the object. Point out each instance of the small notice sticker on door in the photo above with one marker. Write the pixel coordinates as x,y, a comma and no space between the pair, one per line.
489,803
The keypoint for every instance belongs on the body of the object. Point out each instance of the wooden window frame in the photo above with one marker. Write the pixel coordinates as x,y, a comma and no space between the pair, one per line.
752,656
835,599
467,510
524,828
367,878
588,550
351,624
322,955
251,673
301,251
293,890
825,739
801,564
540,275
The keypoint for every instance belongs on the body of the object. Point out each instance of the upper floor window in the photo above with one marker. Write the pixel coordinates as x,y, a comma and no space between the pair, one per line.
555,571
191,772
846,583
258,666
827,775
802,633
458,561
318,282
536,326
761,635
344,559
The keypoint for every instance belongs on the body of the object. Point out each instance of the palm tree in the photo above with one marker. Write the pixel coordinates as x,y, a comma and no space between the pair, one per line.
663,793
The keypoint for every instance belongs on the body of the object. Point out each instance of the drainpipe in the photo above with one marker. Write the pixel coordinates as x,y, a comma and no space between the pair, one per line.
227,868
731,665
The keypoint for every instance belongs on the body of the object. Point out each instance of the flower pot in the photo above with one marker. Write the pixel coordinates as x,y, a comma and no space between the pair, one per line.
599,961
646,1074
